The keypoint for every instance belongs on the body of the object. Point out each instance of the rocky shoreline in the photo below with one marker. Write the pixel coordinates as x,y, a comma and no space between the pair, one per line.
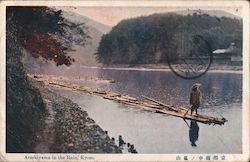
68,129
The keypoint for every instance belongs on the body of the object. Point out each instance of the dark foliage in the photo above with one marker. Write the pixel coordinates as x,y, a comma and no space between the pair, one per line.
151,39
44,32
24,106
47,47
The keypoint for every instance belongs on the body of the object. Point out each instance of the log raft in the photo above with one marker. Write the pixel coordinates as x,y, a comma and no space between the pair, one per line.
146,103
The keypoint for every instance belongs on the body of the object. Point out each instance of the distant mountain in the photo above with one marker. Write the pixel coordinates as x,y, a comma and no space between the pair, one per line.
217,13
74,17
83,55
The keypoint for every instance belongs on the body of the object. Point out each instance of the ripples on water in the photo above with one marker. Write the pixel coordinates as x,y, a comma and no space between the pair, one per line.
157,133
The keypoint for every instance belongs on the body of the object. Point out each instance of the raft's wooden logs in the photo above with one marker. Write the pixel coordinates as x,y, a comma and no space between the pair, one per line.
149,104
182,108
121,98
108,97
87,89
169,107
112,94
139,106
130,98
99,92
197,115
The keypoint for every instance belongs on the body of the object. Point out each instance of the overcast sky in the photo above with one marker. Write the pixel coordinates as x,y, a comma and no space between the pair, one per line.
112,15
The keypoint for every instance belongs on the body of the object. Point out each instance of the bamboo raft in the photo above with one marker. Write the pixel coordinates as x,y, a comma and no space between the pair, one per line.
146,103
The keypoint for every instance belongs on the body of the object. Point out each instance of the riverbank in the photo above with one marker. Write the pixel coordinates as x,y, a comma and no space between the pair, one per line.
67,128
164,67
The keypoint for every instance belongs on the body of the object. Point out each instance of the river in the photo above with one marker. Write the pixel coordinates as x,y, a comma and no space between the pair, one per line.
158,133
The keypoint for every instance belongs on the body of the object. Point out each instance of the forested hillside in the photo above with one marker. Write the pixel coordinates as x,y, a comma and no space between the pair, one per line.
44,33
149,39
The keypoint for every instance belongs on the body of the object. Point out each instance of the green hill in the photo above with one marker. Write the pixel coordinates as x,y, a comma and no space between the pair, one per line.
149,39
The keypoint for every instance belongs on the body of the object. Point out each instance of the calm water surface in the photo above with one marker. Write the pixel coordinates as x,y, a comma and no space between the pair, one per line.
158,133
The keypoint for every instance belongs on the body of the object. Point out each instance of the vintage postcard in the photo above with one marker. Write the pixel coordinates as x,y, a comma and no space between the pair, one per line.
124,80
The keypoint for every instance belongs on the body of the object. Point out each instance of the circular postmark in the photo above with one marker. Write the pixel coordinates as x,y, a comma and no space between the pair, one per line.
193,56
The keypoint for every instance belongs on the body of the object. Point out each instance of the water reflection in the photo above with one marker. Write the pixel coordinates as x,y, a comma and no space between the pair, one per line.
222,95
218,88
193,132
163,134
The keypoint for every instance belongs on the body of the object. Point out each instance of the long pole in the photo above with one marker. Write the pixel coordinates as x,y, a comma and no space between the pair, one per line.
187,111
159,103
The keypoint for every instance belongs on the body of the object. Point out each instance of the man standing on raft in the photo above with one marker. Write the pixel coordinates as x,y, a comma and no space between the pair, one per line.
195,98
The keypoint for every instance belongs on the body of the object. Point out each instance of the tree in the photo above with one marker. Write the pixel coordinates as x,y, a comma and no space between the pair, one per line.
158,37
45,33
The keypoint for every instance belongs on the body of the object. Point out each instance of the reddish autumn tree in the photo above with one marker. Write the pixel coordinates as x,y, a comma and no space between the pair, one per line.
44,32
48,48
